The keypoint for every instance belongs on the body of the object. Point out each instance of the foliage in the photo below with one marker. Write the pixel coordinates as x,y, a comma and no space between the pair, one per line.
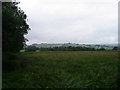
115,48
11,62
31,48
61,48
14,27
101,49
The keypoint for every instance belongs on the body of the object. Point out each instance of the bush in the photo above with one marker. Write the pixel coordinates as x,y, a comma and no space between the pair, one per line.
8,61
31,48
11,62
115,48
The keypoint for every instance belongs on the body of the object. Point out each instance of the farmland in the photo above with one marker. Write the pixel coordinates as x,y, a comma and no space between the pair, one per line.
62,69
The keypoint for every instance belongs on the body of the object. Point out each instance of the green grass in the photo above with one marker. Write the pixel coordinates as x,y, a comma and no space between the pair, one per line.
63,69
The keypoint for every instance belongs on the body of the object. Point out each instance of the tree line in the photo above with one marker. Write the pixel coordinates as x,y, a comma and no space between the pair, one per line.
61,48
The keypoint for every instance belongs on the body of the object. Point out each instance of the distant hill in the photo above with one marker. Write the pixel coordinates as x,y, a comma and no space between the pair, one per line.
96,46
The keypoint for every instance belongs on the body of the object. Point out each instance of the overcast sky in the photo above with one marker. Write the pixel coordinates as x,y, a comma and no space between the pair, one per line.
75,21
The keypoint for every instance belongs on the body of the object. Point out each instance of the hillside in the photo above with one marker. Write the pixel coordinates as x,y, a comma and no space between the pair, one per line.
96,46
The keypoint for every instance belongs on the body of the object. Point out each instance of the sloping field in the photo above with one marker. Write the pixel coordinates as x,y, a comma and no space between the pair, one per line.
63,69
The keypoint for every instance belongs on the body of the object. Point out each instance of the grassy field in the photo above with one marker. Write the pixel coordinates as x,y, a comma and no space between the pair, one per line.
63,69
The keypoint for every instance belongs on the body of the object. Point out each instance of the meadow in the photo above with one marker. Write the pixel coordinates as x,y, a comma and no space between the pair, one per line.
62,69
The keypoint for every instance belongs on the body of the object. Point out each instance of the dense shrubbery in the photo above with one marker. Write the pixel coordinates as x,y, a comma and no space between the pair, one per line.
31,48
12,62
8,61
115,48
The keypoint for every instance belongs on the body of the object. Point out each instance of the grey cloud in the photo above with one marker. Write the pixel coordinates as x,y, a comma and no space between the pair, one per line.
79,21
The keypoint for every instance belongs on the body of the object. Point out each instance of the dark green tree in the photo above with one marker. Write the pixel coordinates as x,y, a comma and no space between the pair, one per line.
14,27
32,48
115,48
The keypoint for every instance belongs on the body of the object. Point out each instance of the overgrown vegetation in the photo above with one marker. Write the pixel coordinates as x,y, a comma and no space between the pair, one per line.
85,68
62,69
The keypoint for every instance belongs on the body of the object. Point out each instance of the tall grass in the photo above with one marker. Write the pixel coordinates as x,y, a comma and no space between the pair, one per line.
64,69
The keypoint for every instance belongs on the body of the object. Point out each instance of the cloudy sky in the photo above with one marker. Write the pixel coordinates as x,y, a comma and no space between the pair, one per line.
75,21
